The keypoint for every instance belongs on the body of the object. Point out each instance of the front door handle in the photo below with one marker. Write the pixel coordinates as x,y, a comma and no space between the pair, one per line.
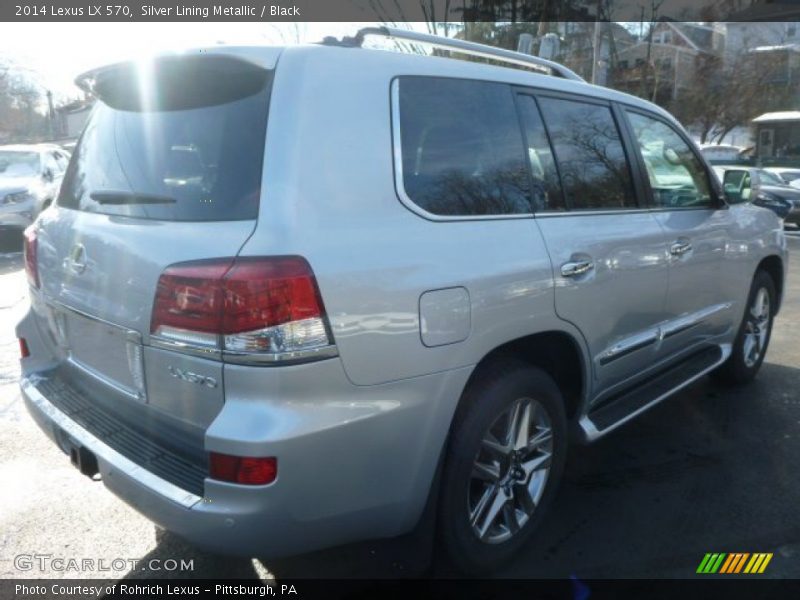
679,248
576,268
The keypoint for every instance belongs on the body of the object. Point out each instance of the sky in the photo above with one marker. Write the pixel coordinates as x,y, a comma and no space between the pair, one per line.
53,54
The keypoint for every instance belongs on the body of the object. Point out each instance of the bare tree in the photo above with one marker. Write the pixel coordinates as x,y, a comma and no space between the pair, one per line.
289,33
728,92
21,118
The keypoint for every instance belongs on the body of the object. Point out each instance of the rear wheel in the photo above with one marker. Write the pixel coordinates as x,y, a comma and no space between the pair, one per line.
503,464
752,341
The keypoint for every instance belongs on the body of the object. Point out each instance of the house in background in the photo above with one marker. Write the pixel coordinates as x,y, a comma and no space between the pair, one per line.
665,63
71,118
778,136
576,47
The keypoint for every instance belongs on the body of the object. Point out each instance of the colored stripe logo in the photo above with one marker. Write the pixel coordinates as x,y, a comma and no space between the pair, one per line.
734,563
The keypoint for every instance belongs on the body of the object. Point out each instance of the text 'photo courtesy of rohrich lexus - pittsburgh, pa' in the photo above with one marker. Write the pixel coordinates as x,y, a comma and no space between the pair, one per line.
291,298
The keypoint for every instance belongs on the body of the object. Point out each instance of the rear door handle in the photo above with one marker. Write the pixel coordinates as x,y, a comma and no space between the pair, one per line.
576,268
680,248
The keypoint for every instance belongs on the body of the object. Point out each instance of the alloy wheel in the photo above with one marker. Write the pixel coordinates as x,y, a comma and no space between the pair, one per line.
510,471
756,328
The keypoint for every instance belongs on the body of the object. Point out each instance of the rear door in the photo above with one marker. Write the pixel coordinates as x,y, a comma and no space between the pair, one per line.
608,253
167,170
696,225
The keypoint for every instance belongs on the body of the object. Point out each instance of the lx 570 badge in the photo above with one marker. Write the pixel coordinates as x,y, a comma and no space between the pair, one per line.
192,377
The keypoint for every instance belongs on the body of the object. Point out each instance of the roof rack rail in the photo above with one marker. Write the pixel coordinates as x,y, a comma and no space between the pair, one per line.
471,48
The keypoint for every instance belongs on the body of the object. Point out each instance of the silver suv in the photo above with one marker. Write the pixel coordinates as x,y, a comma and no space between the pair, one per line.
293,298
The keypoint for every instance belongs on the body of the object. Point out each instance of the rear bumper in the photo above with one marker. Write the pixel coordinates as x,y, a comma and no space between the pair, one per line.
354,463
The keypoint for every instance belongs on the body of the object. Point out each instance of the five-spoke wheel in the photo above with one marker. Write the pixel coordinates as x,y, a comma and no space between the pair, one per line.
503,462
510,471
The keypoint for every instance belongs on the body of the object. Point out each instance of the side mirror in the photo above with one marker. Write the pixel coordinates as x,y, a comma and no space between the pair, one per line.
733,197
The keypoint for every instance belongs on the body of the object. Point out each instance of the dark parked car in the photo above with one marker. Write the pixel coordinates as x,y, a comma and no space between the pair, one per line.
762,188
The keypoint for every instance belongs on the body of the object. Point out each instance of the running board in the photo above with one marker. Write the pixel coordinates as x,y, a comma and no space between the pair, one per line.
623,407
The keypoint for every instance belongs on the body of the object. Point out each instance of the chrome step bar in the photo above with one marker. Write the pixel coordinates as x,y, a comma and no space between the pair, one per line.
631,404
471,48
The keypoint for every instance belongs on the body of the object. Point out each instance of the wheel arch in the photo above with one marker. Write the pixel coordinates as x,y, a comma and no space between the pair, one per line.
558,353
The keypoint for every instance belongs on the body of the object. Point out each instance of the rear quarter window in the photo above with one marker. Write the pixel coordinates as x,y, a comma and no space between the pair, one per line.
461,147
182,143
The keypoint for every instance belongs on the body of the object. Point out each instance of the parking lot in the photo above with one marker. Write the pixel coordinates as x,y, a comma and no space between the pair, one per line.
711,470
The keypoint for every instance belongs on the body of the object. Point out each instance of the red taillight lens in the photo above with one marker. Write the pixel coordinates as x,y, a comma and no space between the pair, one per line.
23,348
244,305
264,293
190,297
243,469
31,263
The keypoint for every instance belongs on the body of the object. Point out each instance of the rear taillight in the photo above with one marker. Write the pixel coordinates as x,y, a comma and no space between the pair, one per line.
243,469
31,264
24,352
246,307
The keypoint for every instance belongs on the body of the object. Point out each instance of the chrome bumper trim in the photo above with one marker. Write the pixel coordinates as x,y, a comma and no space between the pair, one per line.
128,467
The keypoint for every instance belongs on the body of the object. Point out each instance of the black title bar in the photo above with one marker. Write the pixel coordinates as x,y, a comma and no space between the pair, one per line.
395,11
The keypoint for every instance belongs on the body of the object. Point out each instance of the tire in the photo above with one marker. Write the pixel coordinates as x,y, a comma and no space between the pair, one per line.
746,359
478,476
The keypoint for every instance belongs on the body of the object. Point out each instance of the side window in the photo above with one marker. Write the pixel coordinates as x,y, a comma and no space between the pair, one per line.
677,177
461,147
595,173
546,188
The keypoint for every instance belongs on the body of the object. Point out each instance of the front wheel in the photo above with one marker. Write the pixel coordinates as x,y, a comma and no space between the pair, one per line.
504,461
752,341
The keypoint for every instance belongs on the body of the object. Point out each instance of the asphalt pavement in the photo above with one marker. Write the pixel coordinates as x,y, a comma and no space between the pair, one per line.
710,470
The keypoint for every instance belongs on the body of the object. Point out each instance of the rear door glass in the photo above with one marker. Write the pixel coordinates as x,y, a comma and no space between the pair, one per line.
182,142
595,173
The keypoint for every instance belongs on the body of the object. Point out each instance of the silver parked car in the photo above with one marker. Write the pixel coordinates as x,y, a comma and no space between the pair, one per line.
30,177
293,298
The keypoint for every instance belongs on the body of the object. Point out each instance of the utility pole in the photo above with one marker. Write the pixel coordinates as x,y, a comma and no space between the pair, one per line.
595,51
596,41
51,113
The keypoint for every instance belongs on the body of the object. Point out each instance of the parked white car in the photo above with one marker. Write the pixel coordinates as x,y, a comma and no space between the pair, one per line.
30,178
720,151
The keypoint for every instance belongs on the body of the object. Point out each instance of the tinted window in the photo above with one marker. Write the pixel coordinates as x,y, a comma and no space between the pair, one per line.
677,177
191,151
462,151
594,171
546,189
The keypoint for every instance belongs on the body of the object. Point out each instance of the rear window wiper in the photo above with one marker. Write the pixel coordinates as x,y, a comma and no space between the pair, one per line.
119,198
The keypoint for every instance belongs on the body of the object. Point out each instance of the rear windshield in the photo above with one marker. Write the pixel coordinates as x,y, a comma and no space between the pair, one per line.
180,141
